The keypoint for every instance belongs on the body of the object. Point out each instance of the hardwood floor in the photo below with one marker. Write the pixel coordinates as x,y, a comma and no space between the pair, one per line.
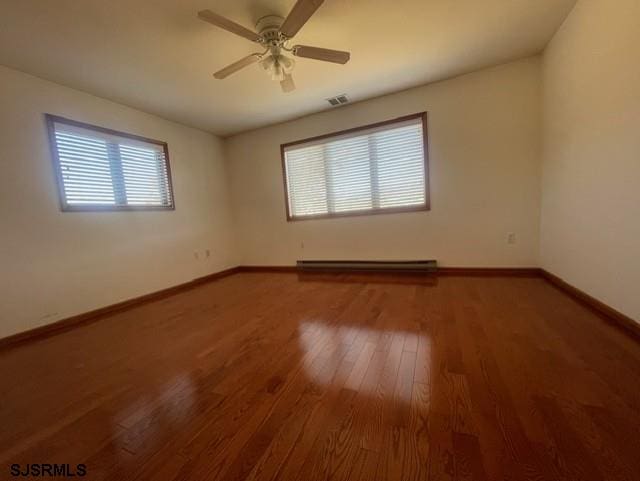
277,377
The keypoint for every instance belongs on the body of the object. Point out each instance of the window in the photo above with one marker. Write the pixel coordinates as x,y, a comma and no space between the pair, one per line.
379,168
101,169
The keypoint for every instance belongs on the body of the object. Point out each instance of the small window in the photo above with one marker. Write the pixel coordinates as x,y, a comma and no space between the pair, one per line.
102,169
376,169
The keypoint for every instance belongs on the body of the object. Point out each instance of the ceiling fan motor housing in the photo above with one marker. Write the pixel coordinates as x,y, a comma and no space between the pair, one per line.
269,28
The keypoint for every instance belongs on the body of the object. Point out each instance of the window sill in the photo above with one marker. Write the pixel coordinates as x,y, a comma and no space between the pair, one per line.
359,213
114,208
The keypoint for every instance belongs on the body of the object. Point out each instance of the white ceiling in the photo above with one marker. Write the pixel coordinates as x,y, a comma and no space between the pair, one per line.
155,55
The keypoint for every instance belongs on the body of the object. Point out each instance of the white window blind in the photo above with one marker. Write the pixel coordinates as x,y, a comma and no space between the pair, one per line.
102,169
376,169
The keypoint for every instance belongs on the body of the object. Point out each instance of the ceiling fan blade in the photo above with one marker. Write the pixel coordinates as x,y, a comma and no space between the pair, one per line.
301,12
287,84
240,64
228,25
324,54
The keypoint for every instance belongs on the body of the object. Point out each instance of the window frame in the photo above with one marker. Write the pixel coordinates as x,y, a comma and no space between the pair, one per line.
51,120
374,211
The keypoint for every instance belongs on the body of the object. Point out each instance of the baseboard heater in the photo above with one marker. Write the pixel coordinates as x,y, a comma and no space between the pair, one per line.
416,267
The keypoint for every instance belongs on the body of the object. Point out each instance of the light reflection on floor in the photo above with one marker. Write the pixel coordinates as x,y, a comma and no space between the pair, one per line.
359,349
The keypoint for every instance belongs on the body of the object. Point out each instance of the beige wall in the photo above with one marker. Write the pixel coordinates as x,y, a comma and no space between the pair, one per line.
55,264
574,204
485,178
590,231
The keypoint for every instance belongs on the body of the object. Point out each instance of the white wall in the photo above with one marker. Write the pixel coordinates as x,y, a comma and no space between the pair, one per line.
590,231
485,178
56,264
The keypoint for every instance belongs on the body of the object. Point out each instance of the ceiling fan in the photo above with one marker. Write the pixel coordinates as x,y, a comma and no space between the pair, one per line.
274,34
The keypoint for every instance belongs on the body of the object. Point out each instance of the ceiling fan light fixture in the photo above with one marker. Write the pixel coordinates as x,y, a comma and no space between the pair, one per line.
277,66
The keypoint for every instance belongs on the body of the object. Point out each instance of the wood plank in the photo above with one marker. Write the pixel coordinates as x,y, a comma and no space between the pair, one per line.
270,376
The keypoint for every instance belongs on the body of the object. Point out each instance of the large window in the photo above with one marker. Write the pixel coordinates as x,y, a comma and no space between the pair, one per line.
101,169
379,168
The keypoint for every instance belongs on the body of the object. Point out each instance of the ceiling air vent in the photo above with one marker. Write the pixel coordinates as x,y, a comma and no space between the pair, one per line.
339,100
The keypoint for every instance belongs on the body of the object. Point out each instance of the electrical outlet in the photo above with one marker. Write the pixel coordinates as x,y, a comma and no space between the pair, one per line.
301,244
511,238
207,253
196,256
